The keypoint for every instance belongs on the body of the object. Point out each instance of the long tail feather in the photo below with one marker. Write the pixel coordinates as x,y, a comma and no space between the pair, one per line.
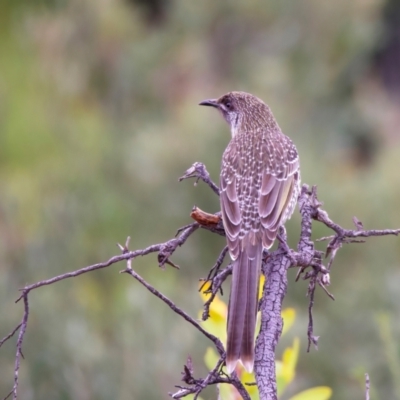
242,310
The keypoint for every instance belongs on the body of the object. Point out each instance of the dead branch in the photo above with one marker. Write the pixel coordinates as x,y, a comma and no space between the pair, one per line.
366,387
275,266
10,335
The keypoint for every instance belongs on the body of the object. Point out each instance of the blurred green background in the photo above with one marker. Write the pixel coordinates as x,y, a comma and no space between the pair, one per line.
98,119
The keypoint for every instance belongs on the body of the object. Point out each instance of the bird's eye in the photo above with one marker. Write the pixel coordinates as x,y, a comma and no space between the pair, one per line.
228,105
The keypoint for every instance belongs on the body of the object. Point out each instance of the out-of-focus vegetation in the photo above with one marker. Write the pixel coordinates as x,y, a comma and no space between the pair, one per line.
285,367
98,119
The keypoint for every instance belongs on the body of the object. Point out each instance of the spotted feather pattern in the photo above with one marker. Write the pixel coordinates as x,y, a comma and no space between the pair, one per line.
259,187
260,184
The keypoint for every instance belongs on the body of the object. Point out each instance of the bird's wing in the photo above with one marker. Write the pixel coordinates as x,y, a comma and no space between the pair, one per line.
279,185
274,191
230,207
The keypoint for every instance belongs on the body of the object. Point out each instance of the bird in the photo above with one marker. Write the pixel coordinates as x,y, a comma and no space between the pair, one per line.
259,188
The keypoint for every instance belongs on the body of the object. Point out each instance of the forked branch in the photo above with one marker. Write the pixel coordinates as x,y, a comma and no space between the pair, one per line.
275,266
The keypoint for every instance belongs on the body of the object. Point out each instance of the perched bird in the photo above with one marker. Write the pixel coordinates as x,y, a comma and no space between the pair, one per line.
259,187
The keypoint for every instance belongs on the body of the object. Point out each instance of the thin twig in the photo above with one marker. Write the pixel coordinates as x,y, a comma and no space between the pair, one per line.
176,309
211,374
9,394
165,249
366,387
18,354
10,335
216,285
214,270
214,377
310,330
199,171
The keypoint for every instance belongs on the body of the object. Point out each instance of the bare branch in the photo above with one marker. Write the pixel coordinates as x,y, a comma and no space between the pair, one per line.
165,251
9,394
204,218
216,285
10,335
308,257
19,354
176,309
215,376
275,266
216,279
199,171
214,270
310,330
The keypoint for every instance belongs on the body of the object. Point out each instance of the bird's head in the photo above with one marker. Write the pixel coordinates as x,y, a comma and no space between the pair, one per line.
241,110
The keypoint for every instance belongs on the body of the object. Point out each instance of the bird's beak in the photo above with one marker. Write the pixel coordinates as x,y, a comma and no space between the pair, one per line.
210,102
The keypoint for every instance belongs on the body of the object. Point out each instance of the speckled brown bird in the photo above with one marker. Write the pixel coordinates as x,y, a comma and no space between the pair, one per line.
259,187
